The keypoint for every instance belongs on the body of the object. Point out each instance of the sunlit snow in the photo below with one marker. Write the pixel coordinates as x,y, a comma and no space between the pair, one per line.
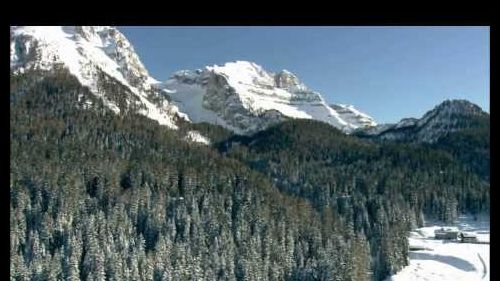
448,260
256,91
86,54
195,136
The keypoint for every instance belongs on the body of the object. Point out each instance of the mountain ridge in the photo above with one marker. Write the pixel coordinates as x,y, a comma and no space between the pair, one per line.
447,117
96,56
240,96
230,94
246,98
97,195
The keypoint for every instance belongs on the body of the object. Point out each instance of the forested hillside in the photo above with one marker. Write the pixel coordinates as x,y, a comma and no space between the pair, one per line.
96,196
100,196
379,189
470,146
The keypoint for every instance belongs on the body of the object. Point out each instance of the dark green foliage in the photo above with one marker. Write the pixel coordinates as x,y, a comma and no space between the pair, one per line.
381,189
99,196
470,146
215,133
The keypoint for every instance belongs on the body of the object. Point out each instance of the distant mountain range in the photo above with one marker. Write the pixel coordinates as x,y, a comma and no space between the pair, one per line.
240,96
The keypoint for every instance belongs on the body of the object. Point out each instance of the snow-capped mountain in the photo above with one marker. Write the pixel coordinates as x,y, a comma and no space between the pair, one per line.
449,116
239,95
101,58
354,116
245,98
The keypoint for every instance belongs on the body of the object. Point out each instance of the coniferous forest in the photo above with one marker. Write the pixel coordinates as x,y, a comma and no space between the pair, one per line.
100,196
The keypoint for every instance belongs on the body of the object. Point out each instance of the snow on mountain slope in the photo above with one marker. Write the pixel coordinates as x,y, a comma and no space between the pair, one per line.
240,96
449,116
354,116
245,98
92,54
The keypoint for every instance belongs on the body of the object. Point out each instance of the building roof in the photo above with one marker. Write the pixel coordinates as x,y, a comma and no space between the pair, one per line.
446,230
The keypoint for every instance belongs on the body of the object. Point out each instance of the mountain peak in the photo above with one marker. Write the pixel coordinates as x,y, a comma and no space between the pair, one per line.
459,106
287,80
73,46
95,55
239,95
237,64
448,116
244,97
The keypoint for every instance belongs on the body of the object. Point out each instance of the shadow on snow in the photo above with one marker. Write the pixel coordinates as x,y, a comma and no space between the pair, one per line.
453,261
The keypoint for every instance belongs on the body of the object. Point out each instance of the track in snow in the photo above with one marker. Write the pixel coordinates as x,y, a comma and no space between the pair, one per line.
485,268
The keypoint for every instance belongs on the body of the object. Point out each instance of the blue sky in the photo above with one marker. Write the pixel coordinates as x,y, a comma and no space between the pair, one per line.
387,72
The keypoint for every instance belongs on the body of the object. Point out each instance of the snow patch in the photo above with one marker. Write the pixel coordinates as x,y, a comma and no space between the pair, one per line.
195,136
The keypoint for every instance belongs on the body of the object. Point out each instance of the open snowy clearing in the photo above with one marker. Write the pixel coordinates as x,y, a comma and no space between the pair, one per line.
448,260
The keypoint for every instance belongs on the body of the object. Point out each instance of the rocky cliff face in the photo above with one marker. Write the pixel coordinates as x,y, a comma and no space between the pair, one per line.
101,58
354,116
449,116
242,96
